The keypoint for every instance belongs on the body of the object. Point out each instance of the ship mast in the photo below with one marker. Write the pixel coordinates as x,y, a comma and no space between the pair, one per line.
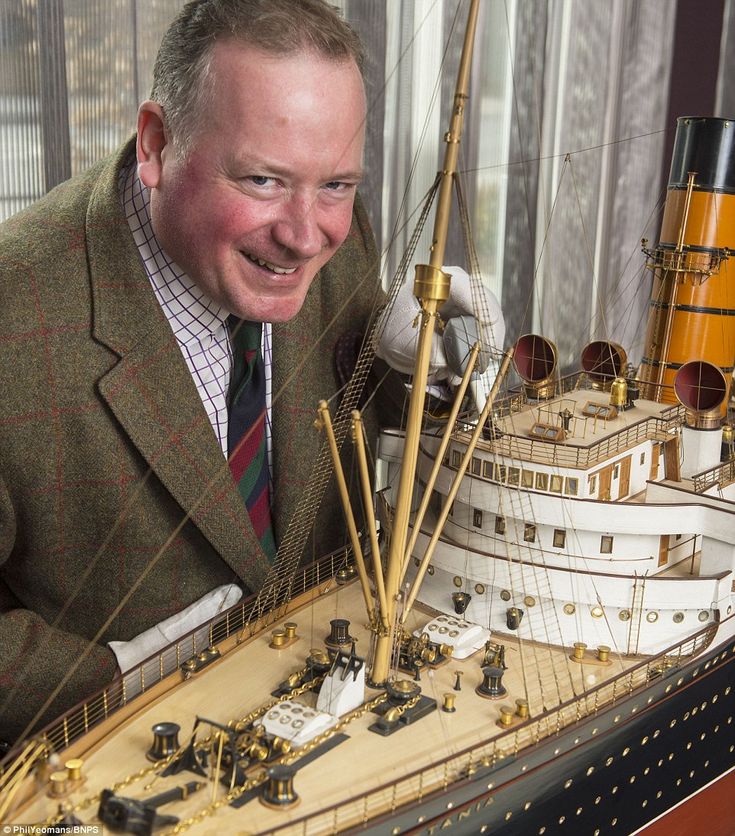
431,287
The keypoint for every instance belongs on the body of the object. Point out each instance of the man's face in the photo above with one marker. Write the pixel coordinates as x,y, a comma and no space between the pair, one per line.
263,198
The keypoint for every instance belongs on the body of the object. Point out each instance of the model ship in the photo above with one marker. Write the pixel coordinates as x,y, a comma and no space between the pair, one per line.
539,640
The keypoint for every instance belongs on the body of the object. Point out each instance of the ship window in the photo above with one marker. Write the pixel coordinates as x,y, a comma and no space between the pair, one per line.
560,538
542,481
572,485
593,484
529,533
616,471
476,466
514,475
527,478
600,410
456,458
556,484
606,544
488,469
477,518
500,525
643,457
678,536
500,472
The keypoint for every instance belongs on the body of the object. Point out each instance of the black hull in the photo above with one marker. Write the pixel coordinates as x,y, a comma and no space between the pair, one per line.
610,774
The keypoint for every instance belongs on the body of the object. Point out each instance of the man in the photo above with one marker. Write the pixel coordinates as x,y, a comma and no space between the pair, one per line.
117,508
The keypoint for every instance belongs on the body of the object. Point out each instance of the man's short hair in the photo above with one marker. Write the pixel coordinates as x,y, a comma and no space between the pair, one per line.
277,26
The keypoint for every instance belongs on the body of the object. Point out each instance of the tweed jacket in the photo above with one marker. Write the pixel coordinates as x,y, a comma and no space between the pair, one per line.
117,508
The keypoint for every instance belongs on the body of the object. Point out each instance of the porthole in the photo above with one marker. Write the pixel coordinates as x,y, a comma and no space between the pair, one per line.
416,561
569,609
430,570
505,595
678,617
480,588
652,617
703,616
597,612
457,581
529,601
624,615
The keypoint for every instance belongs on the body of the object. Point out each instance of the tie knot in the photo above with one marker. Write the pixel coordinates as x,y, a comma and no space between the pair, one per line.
244,335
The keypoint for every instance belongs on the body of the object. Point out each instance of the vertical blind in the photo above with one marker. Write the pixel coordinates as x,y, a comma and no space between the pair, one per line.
561,156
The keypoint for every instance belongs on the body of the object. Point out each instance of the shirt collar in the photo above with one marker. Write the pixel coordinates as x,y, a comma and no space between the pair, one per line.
192,314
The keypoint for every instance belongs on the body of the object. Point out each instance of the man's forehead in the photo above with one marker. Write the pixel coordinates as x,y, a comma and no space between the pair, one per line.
248,56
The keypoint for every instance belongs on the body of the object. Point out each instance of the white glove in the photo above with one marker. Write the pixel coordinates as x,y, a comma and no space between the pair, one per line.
131,653
397,344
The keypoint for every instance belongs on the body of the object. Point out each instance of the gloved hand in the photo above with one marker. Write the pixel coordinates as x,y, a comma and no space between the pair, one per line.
397,344
131,653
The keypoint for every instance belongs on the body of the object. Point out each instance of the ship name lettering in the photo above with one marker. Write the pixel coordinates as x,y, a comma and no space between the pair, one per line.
450,821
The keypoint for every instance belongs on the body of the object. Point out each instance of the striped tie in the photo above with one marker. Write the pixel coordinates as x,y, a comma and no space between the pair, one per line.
246,428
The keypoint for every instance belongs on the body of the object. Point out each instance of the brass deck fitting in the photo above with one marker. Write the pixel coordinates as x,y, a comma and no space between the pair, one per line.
278,638
448,705
522,708
603,653
58,784
506,715
579,649
74,770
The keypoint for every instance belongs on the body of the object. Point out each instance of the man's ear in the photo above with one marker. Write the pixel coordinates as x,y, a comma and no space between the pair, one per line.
150,143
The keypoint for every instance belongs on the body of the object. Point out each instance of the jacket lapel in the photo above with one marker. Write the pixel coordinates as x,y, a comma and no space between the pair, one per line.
151,392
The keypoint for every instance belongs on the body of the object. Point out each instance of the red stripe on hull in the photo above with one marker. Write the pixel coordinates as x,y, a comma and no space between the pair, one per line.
710,811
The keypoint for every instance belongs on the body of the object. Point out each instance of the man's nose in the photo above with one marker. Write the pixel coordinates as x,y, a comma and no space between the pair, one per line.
297,228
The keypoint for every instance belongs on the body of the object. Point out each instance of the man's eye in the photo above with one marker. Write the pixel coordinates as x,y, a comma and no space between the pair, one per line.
259,180
337,185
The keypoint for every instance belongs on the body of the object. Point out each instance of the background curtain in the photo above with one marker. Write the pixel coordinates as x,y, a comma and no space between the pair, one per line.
562,157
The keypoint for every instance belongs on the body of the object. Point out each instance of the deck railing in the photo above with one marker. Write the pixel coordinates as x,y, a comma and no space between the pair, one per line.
721,475
537,451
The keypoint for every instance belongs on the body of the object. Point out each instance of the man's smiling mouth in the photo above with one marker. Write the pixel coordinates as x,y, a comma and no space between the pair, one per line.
274,268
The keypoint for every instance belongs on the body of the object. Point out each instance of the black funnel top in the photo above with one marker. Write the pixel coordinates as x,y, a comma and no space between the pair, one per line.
704,144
